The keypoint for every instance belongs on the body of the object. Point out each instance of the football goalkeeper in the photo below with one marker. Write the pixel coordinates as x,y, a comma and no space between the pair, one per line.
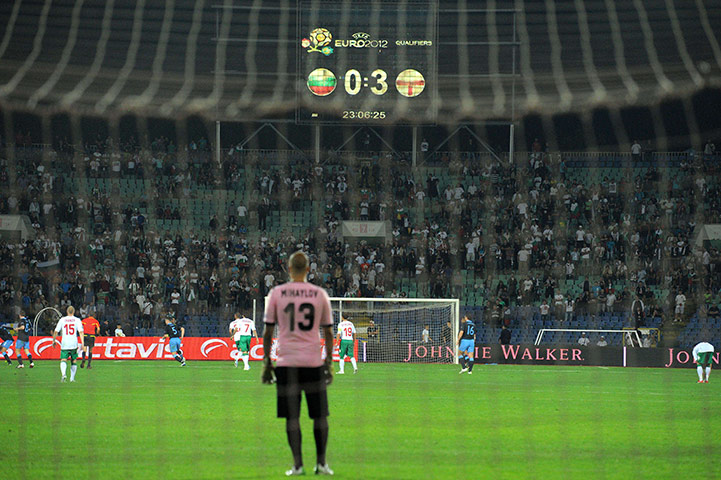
297,308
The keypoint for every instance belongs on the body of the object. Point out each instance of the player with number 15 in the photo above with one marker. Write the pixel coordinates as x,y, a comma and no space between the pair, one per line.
69,327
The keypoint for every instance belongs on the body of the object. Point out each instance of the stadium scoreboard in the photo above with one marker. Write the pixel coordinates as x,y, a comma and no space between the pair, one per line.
367,62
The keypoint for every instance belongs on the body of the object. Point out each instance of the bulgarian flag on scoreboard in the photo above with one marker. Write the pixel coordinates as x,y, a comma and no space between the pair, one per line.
321,82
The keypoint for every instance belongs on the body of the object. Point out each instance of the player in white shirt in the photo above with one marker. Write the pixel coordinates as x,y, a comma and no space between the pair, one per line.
241,331
426,334
69,327
702,355
346,330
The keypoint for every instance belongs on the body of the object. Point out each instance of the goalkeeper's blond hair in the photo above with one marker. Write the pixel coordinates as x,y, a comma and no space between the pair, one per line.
298,263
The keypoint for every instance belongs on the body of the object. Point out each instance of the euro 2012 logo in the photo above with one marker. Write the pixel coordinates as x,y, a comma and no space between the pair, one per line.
319,41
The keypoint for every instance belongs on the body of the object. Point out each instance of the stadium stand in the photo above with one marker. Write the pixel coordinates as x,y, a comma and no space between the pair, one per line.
117,228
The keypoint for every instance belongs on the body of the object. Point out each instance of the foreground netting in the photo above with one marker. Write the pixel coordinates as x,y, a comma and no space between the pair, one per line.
226,59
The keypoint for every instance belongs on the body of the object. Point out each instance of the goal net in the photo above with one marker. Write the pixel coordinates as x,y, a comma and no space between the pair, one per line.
392,329
625,337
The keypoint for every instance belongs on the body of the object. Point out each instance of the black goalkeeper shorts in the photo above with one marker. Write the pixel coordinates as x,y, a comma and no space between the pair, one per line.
291,381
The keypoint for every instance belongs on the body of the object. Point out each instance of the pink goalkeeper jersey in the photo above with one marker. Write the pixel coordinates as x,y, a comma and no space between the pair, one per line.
298,308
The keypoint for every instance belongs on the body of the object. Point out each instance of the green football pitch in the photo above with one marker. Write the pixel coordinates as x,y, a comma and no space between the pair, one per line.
210,420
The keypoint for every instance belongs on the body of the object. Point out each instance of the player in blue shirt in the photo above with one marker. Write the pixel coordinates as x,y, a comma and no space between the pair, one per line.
175,333
23,342
466,345
6,341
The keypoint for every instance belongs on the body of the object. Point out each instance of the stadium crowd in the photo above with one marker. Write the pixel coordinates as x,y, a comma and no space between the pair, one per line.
549,230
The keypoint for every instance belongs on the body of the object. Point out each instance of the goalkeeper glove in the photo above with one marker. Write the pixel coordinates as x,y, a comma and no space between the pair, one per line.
268,376
327,372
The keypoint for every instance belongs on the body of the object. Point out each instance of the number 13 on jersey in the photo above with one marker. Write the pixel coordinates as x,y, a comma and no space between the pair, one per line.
306,315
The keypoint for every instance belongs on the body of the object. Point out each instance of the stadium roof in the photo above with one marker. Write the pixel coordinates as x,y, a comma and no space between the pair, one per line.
160,57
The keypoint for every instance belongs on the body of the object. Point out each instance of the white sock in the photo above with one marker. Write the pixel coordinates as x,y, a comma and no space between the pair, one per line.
700,372
708,372
73,369
245,360
342,364
64,368
353,362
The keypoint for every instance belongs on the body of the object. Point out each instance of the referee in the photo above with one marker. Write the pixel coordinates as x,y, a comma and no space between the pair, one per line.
91,327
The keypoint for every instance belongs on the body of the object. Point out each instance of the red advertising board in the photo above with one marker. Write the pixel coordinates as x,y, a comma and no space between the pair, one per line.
154,348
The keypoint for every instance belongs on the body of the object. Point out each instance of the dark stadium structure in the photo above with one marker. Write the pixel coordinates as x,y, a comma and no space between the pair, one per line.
132,133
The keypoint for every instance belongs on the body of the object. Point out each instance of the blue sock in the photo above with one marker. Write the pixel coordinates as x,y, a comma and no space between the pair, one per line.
470,363
20,359
462,361
7,359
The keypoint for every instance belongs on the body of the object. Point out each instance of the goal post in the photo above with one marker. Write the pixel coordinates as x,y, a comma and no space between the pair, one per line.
391,329
47,315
